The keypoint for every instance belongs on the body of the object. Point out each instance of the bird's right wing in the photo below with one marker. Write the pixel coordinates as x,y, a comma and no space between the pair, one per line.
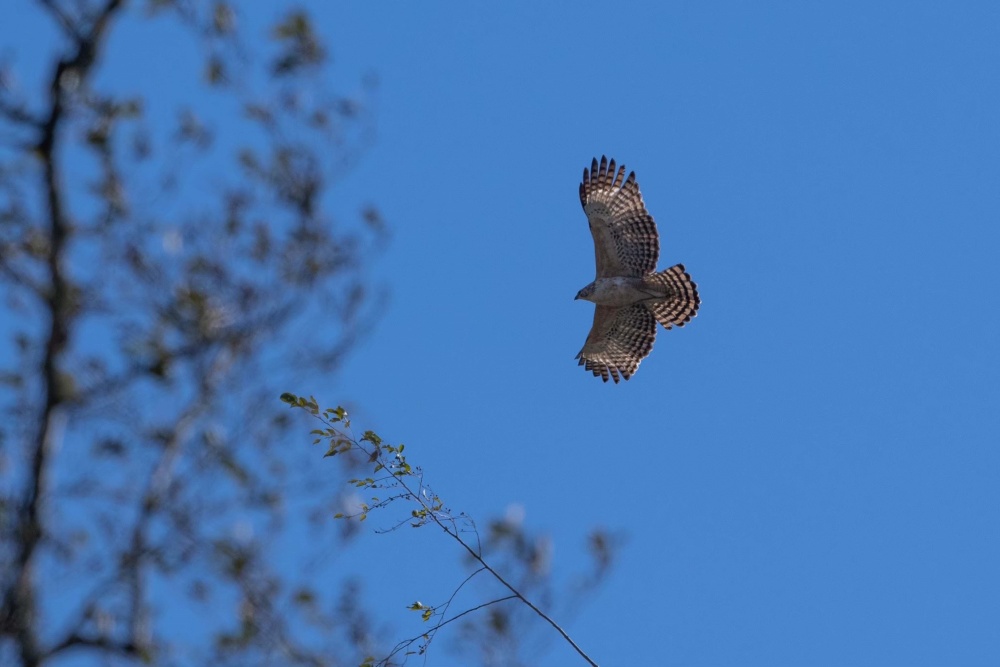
619,339
626,242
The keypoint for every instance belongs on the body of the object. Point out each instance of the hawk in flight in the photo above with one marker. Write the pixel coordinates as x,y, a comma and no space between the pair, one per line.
630,297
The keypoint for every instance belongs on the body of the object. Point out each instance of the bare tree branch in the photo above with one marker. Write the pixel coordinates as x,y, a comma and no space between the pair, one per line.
65,21
19,114
18,613
100,642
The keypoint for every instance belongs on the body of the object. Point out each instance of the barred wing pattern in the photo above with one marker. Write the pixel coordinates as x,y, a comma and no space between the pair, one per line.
619,339
627,247
625,239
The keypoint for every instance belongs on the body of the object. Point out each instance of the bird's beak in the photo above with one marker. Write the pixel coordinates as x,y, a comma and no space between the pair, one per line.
576,298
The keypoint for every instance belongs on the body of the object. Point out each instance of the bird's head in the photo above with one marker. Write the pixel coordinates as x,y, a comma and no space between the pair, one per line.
586,292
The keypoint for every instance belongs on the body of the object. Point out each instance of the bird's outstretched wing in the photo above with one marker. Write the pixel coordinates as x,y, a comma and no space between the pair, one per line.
625,239
618,341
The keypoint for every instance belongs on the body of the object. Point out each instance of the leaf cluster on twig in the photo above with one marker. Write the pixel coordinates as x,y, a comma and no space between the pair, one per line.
394,479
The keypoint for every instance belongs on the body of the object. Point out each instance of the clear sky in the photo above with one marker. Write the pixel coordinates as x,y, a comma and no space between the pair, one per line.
809,472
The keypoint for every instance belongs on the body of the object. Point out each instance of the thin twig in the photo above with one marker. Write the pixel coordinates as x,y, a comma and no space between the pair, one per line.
409,642
499,577
451,598
95,641
433,514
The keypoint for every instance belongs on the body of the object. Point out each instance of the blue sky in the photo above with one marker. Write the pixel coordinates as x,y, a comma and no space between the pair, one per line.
807,474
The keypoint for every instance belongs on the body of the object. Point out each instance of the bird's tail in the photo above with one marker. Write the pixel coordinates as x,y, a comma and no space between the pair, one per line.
681,302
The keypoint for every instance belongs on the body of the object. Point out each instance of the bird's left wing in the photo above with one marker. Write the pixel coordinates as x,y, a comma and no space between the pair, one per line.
619,339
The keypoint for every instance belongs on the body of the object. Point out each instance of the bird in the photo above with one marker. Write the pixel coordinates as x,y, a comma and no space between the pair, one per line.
629,295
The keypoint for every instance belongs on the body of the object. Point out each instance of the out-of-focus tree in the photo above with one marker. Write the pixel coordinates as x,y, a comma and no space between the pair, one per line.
170,260
159,262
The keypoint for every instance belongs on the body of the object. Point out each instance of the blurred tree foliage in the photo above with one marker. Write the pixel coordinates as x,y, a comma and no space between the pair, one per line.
158,270
166,266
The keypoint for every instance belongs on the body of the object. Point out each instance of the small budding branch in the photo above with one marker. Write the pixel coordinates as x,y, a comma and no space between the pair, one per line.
394,479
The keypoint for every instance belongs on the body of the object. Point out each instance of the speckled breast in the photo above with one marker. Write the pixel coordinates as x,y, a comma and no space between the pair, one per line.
618,291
